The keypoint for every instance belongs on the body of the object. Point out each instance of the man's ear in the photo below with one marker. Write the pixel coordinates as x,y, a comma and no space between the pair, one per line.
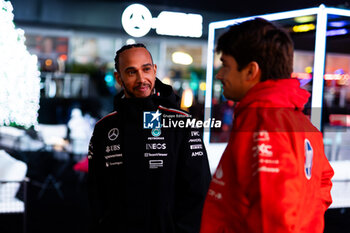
253,72
155,69
118,78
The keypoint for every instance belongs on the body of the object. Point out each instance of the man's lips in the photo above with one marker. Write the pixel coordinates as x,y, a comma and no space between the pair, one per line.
143,87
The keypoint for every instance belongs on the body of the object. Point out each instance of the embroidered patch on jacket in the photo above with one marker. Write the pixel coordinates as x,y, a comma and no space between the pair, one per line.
309,154
219,172
113,134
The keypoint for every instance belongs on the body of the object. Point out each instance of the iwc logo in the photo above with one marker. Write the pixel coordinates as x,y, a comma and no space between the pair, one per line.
156,132
113,134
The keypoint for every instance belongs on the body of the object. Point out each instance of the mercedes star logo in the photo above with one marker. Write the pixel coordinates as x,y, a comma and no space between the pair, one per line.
113,134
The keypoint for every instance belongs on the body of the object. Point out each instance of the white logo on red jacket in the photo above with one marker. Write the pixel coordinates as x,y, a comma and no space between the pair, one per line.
262,150
261,136
309,154
219,173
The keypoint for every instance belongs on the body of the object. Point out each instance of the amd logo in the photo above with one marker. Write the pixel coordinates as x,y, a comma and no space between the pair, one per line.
198,153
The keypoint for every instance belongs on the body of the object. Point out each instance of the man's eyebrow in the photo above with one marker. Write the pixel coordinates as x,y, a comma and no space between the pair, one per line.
134,68
129,68
147,64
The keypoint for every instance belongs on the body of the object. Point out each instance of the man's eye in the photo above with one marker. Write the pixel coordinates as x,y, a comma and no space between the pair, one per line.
132,72
147,69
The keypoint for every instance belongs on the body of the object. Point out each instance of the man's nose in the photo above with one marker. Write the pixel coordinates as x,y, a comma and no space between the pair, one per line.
140,76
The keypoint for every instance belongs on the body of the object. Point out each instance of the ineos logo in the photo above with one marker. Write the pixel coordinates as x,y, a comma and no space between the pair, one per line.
156,146
113,134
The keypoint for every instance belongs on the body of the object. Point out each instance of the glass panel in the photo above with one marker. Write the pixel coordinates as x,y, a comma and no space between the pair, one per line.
302,31
336,97
52,51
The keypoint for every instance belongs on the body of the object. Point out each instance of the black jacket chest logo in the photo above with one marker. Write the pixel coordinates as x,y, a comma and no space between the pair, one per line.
113,134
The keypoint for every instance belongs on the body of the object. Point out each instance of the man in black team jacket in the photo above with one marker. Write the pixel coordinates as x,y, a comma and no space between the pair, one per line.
144,177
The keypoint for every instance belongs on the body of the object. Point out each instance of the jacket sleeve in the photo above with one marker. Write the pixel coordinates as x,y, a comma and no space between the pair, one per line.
192,182
92,186
277,185
289,192
326,183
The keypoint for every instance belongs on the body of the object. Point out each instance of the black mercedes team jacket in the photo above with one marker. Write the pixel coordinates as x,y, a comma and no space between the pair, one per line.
143,180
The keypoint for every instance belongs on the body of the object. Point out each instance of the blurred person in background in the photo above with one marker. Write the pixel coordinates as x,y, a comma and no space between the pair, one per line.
145,180
273,175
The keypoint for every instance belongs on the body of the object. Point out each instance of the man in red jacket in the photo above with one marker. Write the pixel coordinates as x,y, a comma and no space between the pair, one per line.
273,176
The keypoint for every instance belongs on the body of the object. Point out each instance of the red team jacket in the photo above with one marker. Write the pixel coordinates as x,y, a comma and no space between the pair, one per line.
273,176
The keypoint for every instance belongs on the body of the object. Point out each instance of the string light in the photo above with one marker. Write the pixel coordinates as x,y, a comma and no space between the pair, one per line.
19,75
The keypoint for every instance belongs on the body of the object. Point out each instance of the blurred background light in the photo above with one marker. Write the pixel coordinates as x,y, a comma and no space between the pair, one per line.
338,24
187,98
202,86
308,69
182,58
337,32
130,41
304,19
304,27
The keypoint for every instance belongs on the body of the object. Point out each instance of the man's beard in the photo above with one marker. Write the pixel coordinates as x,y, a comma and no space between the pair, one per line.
131,94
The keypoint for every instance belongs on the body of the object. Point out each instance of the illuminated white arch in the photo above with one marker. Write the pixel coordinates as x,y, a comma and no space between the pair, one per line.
215,150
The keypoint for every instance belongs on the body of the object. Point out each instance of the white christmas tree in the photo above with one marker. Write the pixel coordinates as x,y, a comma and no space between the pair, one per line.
19,75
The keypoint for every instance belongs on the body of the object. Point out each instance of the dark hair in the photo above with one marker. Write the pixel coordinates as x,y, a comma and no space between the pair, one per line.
263,42
126,47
